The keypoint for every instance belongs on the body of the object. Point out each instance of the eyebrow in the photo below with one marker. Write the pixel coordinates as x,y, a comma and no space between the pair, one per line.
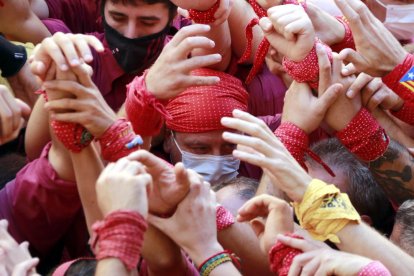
148,18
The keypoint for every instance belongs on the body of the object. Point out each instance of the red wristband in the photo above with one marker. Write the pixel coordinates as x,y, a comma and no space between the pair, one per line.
307,70
374,268
296,142
348,40
119,140
364,137
119,235
204,17
406,113
281,256
145,112
394,80
224,218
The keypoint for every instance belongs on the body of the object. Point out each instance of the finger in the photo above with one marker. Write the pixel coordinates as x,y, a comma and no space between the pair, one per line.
325,72
160,223
183,12
63,104
191,43
300,244
24,267
146,158
295,28
67,86
329,97
351,56
71,117
336,67
252,129
200,81
25,109
68,48
349,70
255,143
182,176
351,15
133,167
201,61
275,39
4,224
14,108
361,81
310,268
187,31
6,115
375,101
298,262
257,226
120,165
83,73
255,207
50,48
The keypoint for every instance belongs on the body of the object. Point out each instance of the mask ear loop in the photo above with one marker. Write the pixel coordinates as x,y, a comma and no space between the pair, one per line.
175,141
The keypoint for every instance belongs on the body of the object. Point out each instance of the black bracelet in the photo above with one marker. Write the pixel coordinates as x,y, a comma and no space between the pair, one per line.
12,58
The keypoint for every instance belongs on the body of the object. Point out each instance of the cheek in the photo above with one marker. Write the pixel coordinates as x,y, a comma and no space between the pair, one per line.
175,155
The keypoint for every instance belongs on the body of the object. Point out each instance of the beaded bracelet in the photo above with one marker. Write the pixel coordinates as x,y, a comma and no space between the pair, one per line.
217,259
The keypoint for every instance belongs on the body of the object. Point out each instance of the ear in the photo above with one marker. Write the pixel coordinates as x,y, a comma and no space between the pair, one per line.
366,219
167,144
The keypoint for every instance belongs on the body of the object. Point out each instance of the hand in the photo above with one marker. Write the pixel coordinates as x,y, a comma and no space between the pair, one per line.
374,93
170,184
343,110
221,14
278,216
305,245
327,262
63,49
13,114
289,31
378,52
123,185
83,103
15,258
328,28
193,225
263,149
299,97
170,74
266,4
24,84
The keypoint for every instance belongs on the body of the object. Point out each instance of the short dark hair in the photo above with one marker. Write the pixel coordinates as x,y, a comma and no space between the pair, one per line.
405,221
172,8
365,194
246,187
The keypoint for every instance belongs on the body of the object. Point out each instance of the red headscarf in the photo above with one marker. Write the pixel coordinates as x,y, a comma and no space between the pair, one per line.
200,108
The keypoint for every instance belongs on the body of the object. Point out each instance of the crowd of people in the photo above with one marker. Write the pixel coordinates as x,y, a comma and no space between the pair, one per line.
214,137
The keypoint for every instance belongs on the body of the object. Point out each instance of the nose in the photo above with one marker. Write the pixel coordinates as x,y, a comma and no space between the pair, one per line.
131,30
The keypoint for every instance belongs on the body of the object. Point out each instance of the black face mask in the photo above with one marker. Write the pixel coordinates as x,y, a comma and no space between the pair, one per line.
134,55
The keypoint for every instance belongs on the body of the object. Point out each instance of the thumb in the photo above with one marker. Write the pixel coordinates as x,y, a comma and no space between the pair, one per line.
181,174
352,56
183,12
257,226
161,223
275,39
330,96
24,108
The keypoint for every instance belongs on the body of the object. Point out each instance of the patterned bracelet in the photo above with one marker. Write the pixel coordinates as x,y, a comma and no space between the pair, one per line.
204,17
217,259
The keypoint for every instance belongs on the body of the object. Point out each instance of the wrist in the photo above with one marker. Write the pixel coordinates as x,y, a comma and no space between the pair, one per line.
202,253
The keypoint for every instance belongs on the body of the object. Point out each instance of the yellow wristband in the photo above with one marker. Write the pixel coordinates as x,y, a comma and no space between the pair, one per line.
324,211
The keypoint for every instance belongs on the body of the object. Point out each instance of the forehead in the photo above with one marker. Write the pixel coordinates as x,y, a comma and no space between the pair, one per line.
133,6
210,137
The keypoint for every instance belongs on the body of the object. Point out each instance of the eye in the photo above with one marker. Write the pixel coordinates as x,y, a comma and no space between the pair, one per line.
199,149
148,23
117,17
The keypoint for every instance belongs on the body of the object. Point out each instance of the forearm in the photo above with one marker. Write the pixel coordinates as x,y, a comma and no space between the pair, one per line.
239,18
88,166
163,256
112,266
362,240
394,173
240,239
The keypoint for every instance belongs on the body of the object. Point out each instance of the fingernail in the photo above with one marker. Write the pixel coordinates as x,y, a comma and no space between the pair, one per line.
135,142
74,62
349,93
237,112
88,57
64,67
225,120
217,57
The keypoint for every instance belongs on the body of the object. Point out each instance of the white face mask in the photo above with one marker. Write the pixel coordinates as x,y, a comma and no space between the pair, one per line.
399,20
215,169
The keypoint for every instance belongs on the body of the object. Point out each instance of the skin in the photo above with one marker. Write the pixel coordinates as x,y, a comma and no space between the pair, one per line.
210,143
133,21
379,11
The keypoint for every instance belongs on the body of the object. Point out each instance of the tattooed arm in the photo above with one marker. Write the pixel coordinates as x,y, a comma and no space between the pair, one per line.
394,172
